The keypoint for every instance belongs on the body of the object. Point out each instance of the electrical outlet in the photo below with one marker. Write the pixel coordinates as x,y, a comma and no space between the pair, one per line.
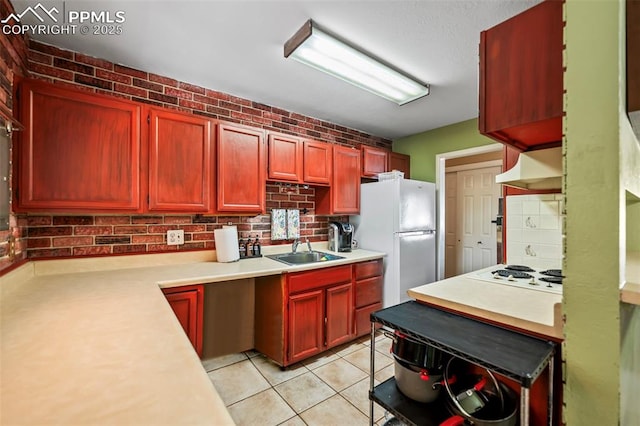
175,237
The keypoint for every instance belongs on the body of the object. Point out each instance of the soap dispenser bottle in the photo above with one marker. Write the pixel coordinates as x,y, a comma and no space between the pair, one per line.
256,247
242,248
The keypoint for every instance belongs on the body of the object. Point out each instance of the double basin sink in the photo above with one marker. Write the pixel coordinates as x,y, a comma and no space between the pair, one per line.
304,257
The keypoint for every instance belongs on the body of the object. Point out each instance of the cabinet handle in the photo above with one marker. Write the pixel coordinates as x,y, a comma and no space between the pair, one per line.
325,331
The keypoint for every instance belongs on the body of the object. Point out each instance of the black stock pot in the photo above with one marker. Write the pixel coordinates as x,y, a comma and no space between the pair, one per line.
416,353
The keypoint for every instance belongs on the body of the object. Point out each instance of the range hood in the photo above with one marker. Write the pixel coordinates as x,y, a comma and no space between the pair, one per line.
540,169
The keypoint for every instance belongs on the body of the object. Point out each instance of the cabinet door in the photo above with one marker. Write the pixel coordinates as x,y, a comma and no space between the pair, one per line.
345,187
521,78
78,152
400,162
306,322
368,291
285,158
241,169
339,314
187,303
317,162
374,161
362,318
180,162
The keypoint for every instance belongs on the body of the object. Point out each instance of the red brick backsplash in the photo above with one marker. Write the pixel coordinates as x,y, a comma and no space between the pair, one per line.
56,235
50,236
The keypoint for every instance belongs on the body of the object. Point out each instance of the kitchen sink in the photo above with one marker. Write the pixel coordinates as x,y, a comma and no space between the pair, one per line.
304,257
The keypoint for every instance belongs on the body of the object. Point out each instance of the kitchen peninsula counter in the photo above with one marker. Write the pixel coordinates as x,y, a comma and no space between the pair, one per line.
94,341
528,310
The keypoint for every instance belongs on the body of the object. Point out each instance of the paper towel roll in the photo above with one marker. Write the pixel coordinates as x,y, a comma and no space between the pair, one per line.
226,239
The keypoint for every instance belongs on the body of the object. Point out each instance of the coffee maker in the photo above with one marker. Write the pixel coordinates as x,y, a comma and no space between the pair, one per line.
340,236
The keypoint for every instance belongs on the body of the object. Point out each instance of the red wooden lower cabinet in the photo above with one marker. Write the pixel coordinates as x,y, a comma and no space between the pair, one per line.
188,302
302,314
368,293
306,325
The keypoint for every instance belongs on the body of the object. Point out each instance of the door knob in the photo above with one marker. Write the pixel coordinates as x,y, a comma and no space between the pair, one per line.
479,242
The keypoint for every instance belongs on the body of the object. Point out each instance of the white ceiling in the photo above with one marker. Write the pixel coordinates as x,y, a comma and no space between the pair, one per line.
236,47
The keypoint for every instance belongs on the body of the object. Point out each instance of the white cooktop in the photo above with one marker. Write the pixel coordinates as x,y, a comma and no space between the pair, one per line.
534,281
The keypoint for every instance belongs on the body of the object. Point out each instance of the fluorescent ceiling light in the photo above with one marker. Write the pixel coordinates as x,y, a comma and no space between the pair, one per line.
319,50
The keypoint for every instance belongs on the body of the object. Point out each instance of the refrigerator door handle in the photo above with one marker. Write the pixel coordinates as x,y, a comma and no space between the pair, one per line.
411,233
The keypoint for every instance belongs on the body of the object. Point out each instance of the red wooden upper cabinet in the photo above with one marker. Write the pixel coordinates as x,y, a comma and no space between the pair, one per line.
521,78
374,161
79,151
180,162
318,158
400,162
241,169
293,160
344,195
285,158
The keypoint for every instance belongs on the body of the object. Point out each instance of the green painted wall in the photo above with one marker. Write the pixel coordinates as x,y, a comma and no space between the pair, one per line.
423,147
602,166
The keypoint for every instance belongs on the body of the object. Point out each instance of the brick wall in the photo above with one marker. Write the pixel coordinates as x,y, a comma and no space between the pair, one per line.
83,72
13,61
49,235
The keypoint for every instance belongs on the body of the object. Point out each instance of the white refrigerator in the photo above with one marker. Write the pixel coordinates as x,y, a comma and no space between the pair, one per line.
398,217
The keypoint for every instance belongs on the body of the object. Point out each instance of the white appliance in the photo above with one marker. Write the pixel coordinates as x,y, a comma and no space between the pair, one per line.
540,169
398,217
547,280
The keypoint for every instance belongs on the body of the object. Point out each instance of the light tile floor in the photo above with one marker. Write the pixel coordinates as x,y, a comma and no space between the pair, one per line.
329,389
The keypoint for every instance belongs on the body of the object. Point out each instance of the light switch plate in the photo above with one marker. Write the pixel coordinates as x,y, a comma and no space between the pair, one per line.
175,237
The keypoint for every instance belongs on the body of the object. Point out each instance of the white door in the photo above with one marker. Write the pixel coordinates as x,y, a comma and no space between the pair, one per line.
478,195
450,225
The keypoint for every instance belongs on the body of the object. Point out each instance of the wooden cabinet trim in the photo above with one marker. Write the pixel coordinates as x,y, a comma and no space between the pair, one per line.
168,194
374,161
368,269
521,86
192,322
368,291
241,169
400,162
318,278
284,157
362,323
338,315
306,325
79,183
317,167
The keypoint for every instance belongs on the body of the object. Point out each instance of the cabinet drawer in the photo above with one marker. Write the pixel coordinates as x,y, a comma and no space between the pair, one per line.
368,269
302,281
368,291
363,323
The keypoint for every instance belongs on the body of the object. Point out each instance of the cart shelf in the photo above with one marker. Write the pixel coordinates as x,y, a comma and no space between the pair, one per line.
506,352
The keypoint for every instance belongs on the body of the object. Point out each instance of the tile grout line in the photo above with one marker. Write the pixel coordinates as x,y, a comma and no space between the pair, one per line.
358,344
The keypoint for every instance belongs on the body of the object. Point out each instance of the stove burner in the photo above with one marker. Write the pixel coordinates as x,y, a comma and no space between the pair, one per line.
520,268
553,273
553,280
512,273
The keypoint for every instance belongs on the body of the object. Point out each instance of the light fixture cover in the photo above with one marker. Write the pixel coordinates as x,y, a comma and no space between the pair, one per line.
316,48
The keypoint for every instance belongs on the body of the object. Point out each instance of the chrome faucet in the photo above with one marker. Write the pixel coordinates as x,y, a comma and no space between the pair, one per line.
296,242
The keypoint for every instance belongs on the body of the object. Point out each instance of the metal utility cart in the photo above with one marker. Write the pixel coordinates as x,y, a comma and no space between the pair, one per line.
509,353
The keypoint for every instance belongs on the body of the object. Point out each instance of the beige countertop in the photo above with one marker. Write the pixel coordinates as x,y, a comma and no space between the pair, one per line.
535,311
94,341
